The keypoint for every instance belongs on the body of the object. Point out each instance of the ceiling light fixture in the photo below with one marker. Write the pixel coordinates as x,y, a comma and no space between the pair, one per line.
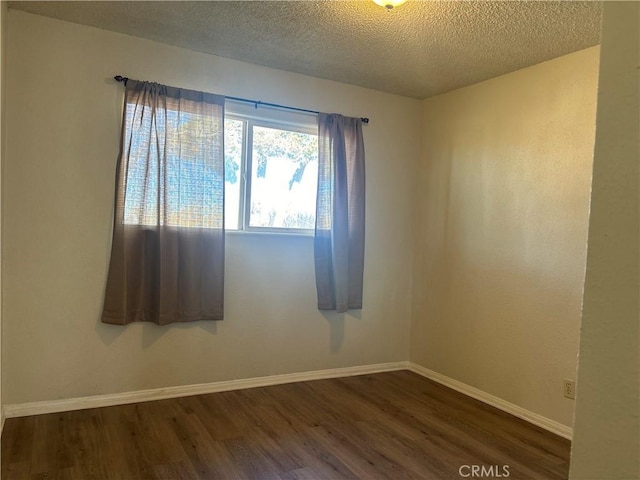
389,4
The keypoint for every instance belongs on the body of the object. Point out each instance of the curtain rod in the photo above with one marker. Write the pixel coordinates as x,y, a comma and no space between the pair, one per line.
365,120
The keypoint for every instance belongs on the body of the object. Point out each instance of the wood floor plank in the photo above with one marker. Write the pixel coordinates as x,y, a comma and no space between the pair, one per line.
16,470
306,473
22,434
175,471
207,456
249,460
394,425
357,454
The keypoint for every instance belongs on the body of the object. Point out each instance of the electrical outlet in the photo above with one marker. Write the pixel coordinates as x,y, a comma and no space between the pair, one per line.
569,388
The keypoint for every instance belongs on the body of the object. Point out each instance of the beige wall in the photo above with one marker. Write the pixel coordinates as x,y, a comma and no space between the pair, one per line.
63,120
606,443
502,217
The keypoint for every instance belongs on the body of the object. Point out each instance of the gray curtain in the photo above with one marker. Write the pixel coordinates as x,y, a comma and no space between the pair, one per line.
167,255
339,232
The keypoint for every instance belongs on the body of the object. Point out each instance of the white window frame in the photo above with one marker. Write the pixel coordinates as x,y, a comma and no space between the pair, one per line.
267,117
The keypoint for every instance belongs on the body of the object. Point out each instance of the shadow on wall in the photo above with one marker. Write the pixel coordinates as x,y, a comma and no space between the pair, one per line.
336,323
151,332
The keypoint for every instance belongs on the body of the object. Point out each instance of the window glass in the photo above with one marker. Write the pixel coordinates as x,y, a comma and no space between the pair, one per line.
284,175
233,135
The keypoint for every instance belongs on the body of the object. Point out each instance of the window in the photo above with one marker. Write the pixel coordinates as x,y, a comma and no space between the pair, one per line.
271,170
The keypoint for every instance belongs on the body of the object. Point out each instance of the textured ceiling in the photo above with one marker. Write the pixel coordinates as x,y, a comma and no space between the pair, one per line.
419,49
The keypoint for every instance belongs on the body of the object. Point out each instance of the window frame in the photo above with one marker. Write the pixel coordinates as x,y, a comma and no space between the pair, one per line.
267,118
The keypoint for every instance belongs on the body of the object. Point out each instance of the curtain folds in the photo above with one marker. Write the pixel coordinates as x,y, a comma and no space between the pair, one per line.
340,213
167,257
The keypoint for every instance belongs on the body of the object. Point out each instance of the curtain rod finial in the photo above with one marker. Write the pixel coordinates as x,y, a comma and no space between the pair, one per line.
120,78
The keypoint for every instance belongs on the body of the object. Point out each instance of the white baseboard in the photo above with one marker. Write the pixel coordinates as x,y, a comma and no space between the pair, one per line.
96,401
515,410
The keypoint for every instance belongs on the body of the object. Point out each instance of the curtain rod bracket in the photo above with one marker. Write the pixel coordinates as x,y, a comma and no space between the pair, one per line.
120,78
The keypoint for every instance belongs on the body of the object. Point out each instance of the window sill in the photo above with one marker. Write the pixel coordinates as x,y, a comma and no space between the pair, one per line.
272,234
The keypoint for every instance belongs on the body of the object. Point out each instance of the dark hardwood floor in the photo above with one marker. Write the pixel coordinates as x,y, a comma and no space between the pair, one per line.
388,425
